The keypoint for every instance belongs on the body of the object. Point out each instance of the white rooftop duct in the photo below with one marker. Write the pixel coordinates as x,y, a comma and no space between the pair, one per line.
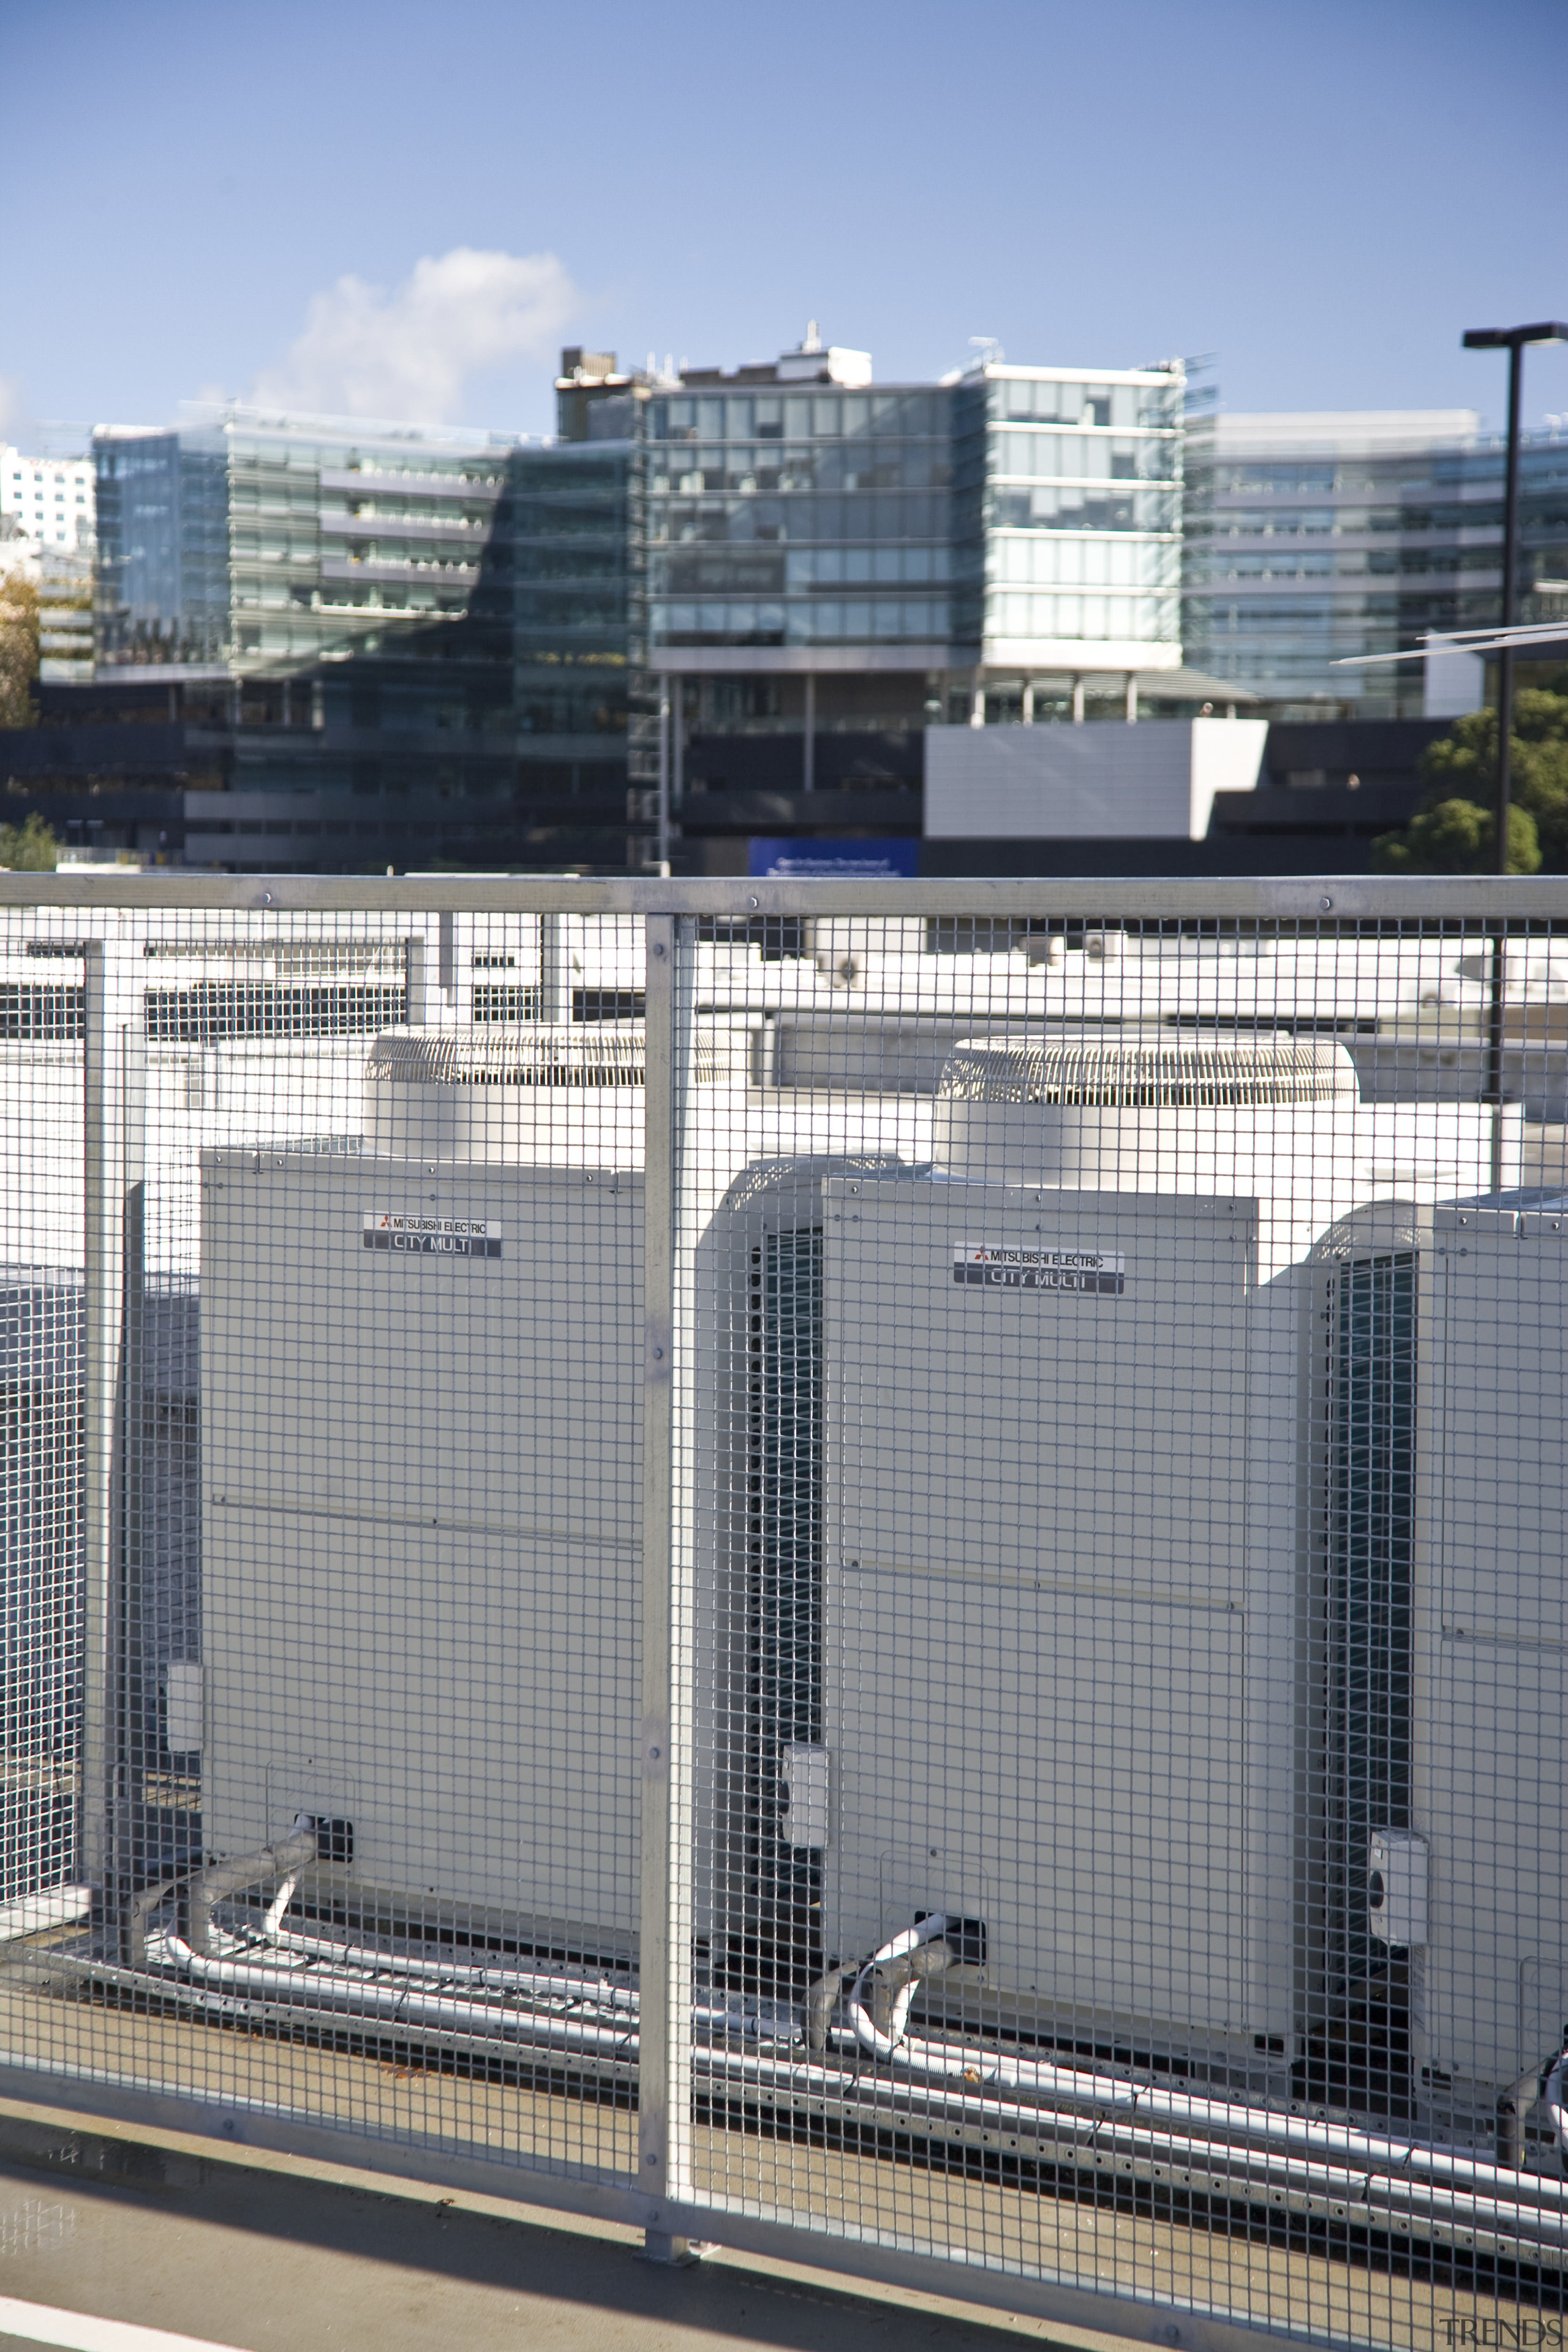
1264,1113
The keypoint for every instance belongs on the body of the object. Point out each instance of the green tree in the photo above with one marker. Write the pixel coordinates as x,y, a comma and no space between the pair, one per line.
29,847
1441,839
1456,836
19,650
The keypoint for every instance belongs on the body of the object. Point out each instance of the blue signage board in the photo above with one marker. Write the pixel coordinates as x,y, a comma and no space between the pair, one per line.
834,861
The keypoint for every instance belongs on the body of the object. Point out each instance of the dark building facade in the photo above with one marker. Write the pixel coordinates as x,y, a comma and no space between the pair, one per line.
829,566
395,648
725,606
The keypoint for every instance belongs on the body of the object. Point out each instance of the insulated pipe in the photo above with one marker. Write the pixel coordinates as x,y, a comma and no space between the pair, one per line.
902,1965
398,1964
1475,2198
1554,2096
1327,2153
1369,2195
301,1981
1231,2124
899,1964
1370,2174
392,2004
143,1906
1513,2107
819,2006
289,1853
277,1908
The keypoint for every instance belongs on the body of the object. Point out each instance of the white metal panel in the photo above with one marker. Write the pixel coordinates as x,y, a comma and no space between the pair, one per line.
421,1522
451,1694
1505,1454
1491,1721
1038,1597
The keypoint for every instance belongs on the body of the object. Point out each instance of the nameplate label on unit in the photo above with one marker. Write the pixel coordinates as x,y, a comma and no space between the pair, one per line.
1008,1265
385,1229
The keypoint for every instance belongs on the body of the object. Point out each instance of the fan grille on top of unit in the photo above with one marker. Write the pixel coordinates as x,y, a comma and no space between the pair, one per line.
1149,1070
540,1053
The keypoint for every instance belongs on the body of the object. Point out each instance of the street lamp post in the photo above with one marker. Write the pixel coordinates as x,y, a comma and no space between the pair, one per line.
1511,340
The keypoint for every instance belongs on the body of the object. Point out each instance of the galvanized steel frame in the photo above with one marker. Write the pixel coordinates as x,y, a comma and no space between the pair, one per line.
1473,899
661,2201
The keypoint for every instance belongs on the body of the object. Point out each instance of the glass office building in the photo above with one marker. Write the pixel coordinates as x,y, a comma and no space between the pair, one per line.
163,594
431,648
1310,537
1070,516
824,556
432,626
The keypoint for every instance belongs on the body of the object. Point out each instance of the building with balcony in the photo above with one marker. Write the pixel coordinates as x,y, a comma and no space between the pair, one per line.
831,566
329,646
48,533
411,646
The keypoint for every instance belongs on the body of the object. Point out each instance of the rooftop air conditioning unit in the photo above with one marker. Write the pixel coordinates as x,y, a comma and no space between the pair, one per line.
1013,1522
537,1095
41,1394
1486,1760
1063,1411
422,1474
421,1384
423,1447
1163,1110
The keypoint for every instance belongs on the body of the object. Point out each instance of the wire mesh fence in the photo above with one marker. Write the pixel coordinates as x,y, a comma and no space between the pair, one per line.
879,1573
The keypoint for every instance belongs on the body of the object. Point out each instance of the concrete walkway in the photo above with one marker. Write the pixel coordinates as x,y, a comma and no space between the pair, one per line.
102,2238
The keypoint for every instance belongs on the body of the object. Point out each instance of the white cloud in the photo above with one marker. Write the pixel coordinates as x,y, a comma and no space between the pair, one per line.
410,352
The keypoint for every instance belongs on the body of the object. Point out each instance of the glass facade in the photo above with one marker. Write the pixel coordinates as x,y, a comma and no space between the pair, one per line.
163,548
839,565
569,535
1314,538
438,624
1080,515
502,652
800,519
1025,515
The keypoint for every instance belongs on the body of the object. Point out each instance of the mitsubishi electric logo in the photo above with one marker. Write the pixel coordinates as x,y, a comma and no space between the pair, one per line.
1009,1265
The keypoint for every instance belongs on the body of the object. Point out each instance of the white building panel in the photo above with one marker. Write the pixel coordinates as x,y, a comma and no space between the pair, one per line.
1157,780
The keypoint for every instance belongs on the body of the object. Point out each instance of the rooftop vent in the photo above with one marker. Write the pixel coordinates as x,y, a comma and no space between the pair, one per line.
1149,1070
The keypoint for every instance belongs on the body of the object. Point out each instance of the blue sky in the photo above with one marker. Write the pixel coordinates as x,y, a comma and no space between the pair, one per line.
1324,195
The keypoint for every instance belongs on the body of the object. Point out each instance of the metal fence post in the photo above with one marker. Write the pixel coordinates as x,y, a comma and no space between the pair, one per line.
661,845
415,962
665,1921
555,971
1496,993
114,1082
